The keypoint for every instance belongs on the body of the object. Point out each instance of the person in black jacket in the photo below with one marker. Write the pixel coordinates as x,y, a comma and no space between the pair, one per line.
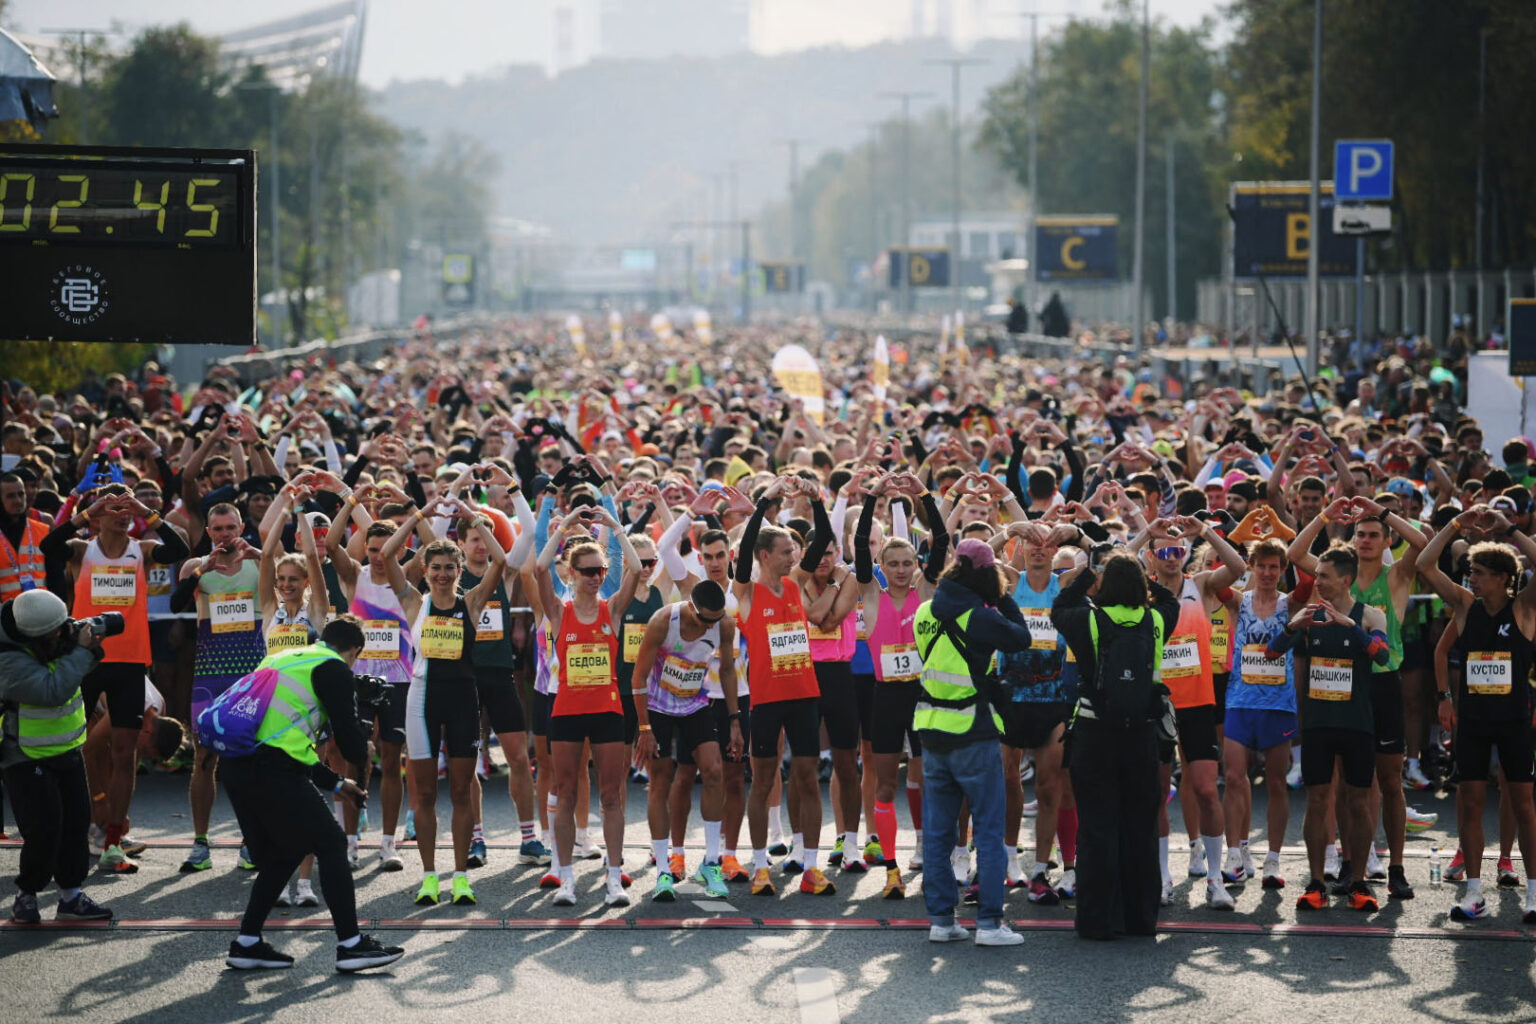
1114,764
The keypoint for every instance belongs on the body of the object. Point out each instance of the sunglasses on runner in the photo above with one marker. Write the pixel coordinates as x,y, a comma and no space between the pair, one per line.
1179,553
647,563
591,571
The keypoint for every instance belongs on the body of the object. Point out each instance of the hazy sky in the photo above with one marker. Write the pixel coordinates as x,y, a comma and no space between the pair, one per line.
459,37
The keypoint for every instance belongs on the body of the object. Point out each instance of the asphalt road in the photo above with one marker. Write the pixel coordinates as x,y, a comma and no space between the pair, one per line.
788,958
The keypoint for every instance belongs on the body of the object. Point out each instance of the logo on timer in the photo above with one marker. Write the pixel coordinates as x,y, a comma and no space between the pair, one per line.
79,294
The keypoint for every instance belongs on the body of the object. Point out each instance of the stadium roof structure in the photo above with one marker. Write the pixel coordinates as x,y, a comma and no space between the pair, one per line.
324,42
26,87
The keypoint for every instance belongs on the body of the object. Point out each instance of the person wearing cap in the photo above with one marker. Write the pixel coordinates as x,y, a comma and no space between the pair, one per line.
970,618
44,657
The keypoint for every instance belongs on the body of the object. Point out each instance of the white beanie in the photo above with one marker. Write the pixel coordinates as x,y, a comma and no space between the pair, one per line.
38,613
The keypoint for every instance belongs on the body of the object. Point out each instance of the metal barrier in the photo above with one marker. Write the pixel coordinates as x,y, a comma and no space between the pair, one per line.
255,367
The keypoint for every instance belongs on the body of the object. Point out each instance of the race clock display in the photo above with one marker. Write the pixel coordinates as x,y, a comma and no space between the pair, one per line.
134,245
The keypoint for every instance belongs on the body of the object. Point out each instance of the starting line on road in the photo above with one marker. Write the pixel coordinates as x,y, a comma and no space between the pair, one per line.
763,924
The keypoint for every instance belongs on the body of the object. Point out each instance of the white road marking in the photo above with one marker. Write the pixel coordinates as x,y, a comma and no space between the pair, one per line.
817,996
715,906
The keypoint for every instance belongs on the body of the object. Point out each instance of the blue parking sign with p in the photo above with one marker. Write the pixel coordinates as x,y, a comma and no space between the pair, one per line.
1362,170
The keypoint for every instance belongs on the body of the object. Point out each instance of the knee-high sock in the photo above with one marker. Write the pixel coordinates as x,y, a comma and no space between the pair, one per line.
1066,834
915,803
885,829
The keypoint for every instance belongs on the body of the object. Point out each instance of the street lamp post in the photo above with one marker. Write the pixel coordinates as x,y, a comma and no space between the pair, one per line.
273,194
1312,199
955,64
906,99
1141,179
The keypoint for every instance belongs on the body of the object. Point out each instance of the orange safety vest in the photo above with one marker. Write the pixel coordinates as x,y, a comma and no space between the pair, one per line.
21,568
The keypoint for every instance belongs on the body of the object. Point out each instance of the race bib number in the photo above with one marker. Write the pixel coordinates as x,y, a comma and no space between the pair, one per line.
682,678
587,665
788,645
860,625
492,624
285,636
1042,635
1260,670
1330,678
634,633
158,581
1490,673
112,586
830,635
381,640
1181,657
1221,639
232,613
899,662
442,637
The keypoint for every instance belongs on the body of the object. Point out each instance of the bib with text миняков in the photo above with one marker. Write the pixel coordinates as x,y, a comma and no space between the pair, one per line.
788,645
1261,670
899,662
381,640
442,638
1330,678
681,677
587,665
112,586
634,633
492,624
232,613
1490,673
1042,635
1181,657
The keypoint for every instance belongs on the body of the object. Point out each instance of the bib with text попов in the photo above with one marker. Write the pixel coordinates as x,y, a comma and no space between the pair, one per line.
634,634
442,638
788,645
285,636
587,665
1330,678
234,612
681,677
1261,670
797,372
1181,657
492,624
112,586
1042,634
1490,673
381,640
900,662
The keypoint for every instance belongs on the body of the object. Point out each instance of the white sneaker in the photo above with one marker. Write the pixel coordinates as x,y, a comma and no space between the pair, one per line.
916,863
947,933
1272,877
1197,860
1066,887
1232,867
1002,935
304,894
1167,897
389,859
1249,870
354,861
1374,872
1414,778
960,862
583,849
1529,913
1217,897
1032,809
616,896
98,838
565,896
284,897
1331,863
1293,777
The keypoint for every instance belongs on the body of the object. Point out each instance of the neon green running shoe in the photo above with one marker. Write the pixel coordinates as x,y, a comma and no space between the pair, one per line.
463,895
664,891
872,852
430,892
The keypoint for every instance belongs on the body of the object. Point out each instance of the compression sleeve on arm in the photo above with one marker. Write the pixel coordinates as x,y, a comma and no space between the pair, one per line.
863,565
821,540
749,543
938,545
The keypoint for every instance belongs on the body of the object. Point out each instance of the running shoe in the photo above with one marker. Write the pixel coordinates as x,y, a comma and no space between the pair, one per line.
732,870
1027,772
664,891
1472,908
304,895
113,859
390,859
873,854
131,846
1361,898
970,894
916,863
1397,884
780,849
24,909
824,769
615,896
1315,898
1529,916
565,896
585,849
1197,868
762,883
477,853
354,859
816,884
1346,879
854,864
533,852
1331,863
410,826
430,892
677,866
98,837
245,863
1232,870
1002,935
200,859
1031,809
714,882
895,888
1249,870
1166,899
463,895
1293,777
1272,877
837,853
1456,870
791,866
1041,892
1420,821
1066,888
284,897
366,952
82,908
1374,872
624,879
948,933
960,863
1217,897
1508,879
1414,777
257,957
549,881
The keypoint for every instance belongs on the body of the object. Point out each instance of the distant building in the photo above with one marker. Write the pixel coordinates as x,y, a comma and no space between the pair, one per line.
324,42
670,28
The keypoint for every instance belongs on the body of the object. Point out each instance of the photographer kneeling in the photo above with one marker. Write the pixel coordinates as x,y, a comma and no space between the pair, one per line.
266,728
44,655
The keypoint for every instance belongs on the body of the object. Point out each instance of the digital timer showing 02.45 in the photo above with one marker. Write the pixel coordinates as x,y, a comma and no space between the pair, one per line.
79,203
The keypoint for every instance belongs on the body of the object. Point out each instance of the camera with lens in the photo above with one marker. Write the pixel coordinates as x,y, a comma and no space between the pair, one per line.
104,625
372,692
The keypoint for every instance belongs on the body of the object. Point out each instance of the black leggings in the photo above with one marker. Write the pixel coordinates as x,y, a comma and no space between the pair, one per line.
284,818
53,811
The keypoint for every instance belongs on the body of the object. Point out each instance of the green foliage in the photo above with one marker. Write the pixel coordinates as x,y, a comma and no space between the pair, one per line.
57,366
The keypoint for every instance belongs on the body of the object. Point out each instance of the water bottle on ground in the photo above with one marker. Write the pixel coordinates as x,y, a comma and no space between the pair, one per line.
1434,866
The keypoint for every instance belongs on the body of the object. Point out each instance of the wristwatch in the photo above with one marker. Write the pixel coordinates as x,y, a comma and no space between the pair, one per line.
1444,695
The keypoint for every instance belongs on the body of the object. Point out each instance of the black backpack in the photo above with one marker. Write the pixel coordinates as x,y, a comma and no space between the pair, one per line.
1126,693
